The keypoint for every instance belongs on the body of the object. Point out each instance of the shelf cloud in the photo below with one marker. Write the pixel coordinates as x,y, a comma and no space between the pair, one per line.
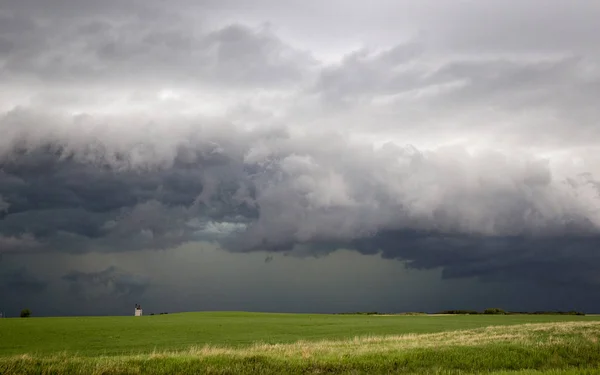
460,138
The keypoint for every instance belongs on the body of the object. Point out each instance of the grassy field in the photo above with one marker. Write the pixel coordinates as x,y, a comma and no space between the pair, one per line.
251,343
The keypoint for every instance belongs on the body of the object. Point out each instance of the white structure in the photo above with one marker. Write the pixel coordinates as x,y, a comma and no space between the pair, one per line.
138,310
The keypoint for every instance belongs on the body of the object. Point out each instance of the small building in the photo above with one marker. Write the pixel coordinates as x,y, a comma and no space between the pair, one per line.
138,310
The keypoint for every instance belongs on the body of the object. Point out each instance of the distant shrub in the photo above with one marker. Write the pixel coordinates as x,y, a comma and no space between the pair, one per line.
25,313
459,312
497,311
360,313
558,313
494,311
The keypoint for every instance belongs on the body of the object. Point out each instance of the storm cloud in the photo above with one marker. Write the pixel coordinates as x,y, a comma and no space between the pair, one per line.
142,125
486,212
111,280
23,281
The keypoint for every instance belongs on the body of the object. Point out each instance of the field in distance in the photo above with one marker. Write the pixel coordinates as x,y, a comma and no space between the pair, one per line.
226,342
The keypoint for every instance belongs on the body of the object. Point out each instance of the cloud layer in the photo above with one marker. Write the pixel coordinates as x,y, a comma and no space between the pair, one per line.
137,126
111,281
275,191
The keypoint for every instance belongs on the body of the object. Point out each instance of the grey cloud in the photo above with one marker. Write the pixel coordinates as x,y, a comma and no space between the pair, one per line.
363,73
14,24
61,13
60,198
513,99
112,281
548,97
19,243
302,195
467,26
349,192
6,46
518,26
22,281
518,85
471,26
4,205
505,94
556,261
139,50
519,193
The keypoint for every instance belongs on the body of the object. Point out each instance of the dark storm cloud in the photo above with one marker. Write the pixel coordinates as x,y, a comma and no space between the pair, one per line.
3,205
85,168
51,196
480,215
112,281
556,261
22,281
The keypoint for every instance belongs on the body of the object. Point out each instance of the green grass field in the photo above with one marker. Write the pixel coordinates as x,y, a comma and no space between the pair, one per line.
226,342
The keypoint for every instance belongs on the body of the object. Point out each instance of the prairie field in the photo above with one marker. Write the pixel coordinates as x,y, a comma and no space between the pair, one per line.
261,343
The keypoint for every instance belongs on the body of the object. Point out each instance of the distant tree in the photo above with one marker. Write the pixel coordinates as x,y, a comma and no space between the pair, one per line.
459,312
495,311
25,313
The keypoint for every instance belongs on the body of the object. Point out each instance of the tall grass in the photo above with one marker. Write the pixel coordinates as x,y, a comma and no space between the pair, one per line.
554,348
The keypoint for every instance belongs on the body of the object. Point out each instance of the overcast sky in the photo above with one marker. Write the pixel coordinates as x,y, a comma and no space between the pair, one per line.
299,155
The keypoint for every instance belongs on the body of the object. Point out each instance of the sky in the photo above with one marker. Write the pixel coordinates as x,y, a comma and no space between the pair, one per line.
299,156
